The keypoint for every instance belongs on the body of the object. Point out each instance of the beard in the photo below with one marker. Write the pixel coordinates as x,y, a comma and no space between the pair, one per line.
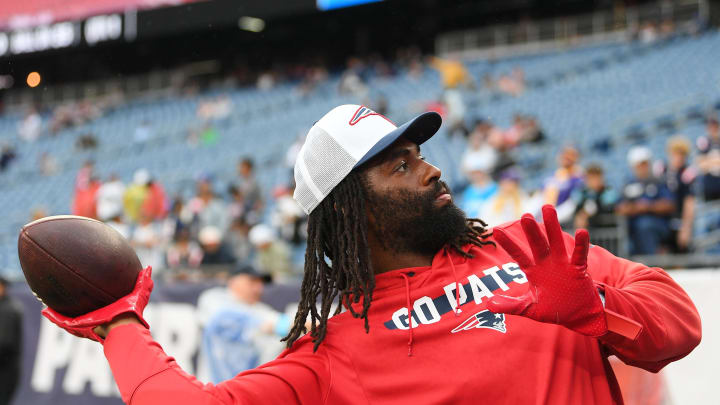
410,222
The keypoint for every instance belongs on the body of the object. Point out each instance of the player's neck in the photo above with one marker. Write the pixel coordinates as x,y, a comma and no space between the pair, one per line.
384,260
397,261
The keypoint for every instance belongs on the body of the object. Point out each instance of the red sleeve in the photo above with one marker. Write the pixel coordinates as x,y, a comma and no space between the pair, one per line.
670,324
146,375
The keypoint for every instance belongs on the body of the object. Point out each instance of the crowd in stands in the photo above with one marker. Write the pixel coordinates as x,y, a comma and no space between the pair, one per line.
655,206
226,224
178,237
229,223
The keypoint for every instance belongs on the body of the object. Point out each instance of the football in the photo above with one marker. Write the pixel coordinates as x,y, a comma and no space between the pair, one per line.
76,265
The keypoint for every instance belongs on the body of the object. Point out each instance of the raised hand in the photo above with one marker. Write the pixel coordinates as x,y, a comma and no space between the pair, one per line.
560,289
133,303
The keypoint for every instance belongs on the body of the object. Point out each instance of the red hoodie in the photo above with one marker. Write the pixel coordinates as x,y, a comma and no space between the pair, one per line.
473,357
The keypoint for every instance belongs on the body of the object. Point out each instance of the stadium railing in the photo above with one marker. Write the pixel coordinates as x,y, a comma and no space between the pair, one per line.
561,32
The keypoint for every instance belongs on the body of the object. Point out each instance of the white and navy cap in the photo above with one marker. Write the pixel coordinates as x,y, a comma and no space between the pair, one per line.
345,138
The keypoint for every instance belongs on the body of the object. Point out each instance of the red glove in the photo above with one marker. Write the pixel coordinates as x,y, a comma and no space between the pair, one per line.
560,290
83,325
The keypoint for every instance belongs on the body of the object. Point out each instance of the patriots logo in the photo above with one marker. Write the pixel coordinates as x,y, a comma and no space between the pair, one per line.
361,113
483,319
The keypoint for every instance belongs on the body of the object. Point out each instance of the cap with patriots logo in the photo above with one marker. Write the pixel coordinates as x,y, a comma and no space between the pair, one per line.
345,138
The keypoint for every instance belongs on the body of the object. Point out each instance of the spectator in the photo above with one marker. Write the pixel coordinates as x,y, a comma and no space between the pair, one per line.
454,75
86,142
184,253
148,243
452,72
510,201
177,220
86,187
248,186
292,154
239,240
155,203
136,194
110,205
712,141
680,178
215,109
7,155
206,209
215,250
709,161
595,202
567,179
240,332
265,81
456,110
62,118
512,84
648,33
513,135
479,149
117,223
30,127
352,81
525,129
110,199
236,207
533,133
272,255
11,338
47,164
481,189
648,205
287,217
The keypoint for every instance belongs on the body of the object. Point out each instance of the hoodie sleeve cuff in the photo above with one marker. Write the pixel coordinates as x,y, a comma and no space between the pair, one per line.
619,324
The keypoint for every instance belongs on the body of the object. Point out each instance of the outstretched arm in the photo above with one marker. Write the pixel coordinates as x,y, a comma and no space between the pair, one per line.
147,376
646,318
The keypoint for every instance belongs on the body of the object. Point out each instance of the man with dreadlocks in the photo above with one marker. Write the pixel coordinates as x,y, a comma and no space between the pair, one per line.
448,312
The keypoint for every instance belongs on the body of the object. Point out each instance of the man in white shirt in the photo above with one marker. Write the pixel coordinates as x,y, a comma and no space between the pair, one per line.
240,332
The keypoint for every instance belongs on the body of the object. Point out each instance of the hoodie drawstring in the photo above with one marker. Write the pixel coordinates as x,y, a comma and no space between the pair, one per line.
409,309
457,284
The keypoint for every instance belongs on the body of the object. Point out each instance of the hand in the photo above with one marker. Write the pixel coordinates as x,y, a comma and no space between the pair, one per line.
560,289
86,326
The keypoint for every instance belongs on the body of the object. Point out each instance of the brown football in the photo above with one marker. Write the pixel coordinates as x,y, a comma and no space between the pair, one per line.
76,265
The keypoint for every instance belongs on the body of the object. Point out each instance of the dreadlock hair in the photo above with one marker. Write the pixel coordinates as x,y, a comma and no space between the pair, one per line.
337,232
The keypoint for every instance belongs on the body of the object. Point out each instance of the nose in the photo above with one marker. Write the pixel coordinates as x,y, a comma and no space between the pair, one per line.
431,174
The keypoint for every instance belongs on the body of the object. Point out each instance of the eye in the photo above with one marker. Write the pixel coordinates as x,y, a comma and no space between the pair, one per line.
421,157
403,166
